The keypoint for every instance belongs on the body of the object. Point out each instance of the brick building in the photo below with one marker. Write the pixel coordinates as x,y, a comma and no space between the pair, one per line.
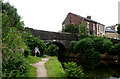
95,27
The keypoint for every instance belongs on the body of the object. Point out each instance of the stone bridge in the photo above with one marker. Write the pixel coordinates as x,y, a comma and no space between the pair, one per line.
62,40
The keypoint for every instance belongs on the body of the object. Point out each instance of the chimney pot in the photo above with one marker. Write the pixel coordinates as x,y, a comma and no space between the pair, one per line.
89,17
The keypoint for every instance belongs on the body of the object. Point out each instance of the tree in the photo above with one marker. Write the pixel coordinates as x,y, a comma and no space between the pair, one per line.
118,29
82,30
52,50
71,28
13,18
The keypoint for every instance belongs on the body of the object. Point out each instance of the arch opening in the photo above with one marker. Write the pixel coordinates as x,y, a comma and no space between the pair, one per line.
62,49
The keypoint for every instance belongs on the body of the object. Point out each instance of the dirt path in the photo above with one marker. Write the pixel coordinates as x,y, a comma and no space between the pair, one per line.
41,70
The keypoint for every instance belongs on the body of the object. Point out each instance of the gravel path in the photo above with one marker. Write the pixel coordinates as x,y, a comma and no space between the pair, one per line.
41,70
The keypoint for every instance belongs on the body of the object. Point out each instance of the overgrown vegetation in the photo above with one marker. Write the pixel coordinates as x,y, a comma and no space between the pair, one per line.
32,41
13,61
52,50
92,47
54,68
71,28
17,43
118,29
32,71
72,70
82,30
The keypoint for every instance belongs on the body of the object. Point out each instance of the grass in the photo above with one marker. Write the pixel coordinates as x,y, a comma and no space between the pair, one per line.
33,59
54,68
32,71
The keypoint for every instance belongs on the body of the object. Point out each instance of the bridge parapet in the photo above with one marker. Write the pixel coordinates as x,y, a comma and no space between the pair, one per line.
47,35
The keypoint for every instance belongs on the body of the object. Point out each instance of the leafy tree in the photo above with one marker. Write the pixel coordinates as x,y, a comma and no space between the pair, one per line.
72,70
71,28
102,45
13,62
118,29
52,50
71,46
13,18
117,49
82,30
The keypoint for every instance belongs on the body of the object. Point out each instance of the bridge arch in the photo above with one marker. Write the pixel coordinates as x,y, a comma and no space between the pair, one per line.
62,49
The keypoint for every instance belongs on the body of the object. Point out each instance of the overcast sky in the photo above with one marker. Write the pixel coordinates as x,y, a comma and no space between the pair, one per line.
49,14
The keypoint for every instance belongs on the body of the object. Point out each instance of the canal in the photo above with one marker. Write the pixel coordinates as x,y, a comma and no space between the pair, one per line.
96,68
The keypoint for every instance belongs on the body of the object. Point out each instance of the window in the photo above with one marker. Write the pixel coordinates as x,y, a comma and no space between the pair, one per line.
87,25
98,27
103,28
93,26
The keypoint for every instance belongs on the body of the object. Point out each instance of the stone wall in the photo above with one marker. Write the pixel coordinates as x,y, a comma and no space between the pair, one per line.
47,35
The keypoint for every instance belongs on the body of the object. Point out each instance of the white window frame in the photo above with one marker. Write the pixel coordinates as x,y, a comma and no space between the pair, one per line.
88,25
93,26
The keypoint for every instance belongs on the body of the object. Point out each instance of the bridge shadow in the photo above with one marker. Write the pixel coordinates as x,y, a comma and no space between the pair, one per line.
62,49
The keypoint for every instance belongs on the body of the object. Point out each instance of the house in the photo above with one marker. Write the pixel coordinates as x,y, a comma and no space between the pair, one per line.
96,28
111,31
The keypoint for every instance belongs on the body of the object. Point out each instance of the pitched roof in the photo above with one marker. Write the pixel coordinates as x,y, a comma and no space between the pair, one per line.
86,18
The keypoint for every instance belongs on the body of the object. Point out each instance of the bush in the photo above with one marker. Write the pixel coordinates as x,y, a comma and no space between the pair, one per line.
13,62
72,70
52,50
82,30
117,48
107,45
71,28
71,46
118,29
32,41
102,45
85,48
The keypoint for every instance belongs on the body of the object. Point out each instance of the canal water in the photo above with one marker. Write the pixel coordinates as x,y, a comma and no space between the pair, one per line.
96,68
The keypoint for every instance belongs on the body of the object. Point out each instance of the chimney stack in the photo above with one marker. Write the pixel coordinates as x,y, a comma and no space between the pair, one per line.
89,17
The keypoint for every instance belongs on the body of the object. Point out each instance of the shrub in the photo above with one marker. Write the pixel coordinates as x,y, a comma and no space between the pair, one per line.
117,48
71,46
102,45
82,30
118,29
13,62
72,70
13,19
107,45
52,50
71,28
32,41
85,48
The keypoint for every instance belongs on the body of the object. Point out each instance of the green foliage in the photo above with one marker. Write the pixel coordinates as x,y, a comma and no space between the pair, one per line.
102,45
54,68
85,47
13,61
82,30
107,45
118,29
71,28
52,50
72,70
117,49
13,19
33,59
91,47
32,41
16,43
71,46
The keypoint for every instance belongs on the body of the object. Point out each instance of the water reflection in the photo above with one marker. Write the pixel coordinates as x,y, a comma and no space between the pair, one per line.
97,68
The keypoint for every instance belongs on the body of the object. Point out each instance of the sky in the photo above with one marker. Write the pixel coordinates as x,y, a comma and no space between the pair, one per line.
48,15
